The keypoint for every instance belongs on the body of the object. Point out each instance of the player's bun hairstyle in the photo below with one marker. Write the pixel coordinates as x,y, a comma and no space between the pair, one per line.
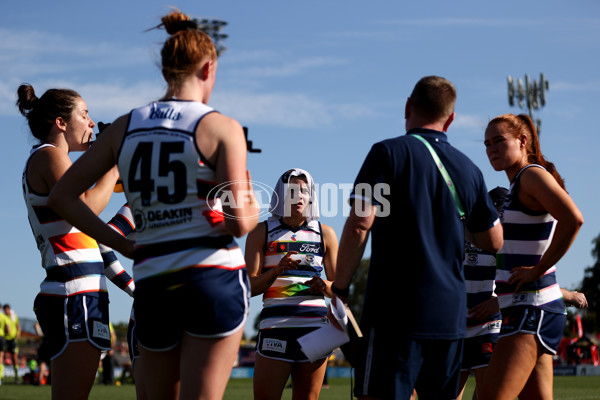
41,113
185,49
523,125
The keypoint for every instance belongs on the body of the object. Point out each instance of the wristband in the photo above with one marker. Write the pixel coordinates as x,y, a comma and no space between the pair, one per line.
340,292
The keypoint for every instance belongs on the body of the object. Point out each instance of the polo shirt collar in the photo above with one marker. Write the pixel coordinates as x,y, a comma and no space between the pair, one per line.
429,133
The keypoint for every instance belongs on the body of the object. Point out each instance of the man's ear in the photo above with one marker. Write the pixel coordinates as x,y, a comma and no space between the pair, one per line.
448,122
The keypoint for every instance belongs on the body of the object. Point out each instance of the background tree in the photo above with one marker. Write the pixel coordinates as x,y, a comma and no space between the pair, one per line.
358,287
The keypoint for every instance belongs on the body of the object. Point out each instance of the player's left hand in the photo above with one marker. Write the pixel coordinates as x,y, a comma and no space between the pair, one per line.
522,275
484,309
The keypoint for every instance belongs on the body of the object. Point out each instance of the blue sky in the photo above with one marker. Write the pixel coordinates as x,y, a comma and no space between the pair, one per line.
316,82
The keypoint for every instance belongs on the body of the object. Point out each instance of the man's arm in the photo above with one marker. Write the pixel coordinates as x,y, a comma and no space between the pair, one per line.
352,246
490,240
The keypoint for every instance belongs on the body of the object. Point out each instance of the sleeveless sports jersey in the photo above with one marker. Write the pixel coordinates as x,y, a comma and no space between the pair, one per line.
71,258
527,235
480,270
168,183
288,302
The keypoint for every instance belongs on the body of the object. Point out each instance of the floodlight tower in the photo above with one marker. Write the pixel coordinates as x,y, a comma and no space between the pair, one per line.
533,92
212,27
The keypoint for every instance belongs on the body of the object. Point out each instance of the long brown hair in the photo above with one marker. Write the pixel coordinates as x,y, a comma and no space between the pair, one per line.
523,125
41,113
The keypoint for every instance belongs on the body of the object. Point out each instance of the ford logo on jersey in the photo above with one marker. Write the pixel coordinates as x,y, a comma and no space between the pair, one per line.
309,248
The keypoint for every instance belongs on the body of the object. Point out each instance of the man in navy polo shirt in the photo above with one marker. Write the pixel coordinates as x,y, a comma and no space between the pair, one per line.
415,304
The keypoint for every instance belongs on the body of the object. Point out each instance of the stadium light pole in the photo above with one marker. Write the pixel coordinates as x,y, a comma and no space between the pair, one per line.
212,27
532,92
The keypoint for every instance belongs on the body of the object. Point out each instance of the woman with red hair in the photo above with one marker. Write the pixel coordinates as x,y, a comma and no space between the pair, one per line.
540,222
173,157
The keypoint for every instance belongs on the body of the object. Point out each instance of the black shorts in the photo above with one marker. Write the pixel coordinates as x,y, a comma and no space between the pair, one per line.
282,344
477,353
478,349
132,343
75,318
206,303
10,346
43,353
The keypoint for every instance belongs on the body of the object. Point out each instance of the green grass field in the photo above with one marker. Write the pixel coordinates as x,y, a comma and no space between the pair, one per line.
565,388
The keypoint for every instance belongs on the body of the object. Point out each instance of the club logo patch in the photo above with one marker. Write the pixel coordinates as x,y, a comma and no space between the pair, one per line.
472,258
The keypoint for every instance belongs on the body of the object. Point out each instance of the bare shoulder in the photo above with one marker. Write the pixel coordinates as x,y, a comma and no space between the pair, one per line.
328,232
46,166
50,157
535,181
256,237
221,125
534,173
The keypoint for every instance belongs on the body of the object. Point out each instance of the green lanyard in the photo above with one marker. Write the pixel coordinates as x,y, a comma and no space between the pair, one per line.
447,178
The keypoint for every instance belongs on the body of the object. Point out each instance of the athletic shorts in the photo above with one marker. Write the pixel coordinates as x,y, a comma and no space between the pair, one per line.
10,346
2,343
477,350
548,327
132,343
73,319
390,366
282,344
202,302
43,353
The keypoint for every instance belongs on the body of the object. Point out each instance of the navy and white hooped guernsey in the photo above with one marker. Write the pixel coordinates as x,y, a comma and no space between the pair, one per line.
169,186
527,235
288,303
480,270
